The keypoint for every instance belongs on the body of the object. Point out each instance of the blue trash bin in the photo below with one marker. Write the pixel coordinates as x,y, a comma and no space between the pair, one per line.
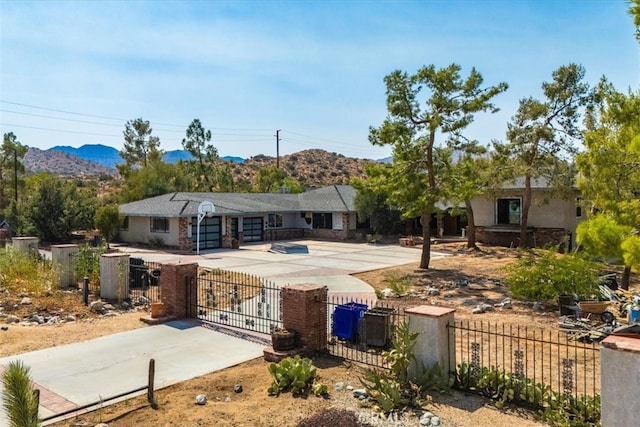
346,320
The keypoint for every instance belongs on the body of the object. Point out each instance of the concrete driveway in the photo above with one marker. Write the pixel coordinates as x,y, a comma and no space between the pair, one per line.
78,374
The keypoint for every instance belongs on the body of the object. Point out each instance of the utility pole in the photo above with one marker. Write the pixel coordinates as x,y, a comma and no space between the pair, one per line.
278,149
15,175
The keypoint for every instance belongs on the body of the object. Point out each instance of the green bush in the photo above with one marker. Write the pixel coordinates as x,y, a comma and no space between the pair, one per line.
20,399
544,275
87,262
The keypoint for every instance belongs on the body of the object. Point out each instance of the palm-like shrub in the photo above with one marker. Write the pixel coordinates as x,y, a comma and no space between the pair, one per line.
20,399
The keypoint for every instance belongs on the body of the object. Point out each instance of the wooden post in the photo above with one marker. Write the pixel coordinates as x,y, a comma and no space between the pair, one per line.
152,373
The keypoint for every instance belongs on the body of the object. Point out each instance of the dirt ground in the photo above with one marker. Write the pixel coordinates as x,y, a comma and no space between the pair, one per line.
253,407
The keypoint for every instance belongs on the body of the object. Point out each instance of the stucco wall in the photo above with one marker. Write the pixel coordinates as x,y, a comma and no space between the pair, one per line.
140,231
620,359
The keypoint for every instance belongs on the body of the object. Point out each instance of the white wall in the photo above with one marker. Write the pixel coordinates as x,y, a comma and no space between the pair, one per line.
140,231
336,217
620,377
558,213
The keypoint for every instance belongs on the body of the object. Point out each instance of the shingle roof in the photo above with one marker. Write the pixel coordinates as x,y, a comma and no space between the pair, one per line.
337,198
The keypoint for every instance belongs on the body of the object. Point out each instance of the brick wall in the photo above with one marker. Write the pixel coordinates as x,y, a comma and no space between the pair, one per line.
184,241
178,285
304,310
536,237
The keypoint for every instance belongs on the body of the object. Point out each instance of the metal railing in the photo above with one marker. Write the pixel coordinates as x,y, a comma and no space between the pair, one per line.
542,357
144,280
360,330
237,300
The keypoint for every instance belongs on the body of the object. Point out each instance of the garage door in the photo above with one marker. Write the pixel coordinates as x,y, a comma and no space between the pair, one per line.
252,229
210,233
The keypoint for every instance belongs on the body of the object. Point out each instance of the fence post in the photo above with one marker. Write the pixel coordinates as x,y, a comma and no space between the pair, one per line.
85,291
150,387
433,344
177,280
304,310
114,276
63,256
620,379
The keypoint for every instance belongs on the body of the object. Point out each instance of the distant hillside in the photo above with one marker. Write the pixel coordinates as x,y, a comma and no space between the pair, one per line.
110,157
61,163
312,168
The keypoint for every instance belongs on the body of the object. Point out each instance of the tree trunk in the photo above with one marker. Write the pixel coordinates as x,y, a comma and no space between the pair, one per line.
471,226
626,274
526,204
426,237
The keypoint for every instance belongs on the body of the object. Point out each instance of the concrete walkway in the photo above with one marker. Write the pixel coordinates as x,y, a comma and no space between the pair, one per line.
78,374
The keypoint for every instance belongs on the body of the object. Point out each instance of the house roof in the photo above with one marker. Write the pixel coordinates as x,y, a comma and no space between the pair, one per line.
335,198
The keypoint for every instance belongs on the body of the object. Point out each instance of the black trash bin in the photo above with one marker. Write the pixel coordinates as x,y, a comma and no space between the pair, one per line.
567,305
377,326
138,273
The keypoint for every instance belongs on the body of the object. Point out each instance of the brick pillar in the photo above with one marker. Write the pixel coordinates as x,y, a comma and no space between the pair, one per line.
433,344
63,256
304,310
178,289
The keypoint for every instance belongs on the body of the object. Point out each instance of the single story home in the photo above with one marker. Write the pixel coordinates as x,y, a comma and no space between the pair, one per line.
552,217
172,219
329,213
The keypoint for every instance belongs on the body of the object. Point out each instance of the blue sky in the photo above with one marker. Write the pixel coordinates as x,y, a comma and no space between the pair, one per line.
73,72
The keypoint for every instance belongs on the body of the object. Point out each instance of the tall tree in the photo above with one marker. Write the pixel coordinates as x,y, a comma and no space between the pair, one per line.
416,179
45,208
472,174
12,171
610,172
140,147
542,136
634,11
154,180
203,167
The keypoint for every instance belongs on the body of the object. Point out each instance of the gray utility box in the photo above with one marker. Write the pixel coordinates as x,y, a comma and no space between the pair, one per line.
377,326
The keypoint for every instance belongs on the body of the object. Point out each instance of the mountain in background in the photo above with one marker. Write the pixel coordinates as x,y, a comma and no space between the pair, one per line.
110,157
311,168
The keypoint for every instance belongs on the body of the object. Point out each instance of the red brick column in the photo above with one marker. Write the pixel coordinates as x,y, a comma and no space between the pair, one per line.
177,287
304,310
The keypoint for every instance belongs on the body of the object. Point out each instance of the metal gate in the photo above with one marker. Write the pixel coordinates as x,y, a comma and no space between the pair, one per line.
237,299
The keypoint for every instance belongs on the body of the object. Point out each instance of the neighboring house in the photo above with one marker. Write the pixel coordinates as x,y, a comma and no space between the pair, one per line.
172,219
551,218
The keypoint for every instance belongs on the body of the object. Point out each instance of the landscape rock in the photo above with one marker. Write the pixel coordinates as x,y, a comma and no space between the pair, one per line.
12,319
102,425
26,301
386,293
350,387
435,421
433,291
97,307
4,328
477,310
537,306
201,399
109,307
486,307
339,386
237,388
360,393
69,318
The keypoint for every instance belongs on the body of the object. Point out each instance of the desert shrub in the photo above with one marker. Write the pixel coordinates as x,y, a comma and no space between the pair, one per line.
87,262
332,417
393,390
396,282
19,399
544,275
22,271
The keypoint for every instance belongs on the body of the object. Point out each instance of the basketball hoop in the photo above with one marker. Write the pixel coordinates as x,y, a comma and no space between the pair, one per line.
205,208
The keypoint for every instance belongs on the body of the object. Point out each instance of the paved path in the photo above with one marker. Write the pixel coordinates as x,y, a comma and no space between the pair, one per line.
78,374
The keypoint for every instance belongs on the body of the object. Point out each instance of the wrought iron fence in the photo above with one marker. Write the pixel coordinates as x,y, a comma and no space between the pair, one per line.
545,359
144,280
238,300
361,329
